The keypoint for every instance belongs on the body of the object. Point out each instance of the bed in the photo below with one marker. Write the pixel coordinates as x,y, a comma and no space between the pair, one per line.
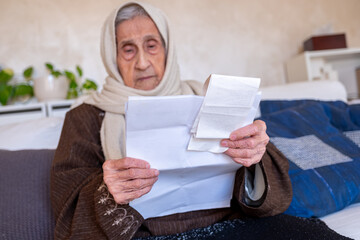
309,121
309,117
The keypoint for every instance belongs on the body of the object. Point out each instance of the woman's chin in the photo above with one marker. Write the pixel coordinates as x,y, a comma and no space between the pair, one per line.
147,84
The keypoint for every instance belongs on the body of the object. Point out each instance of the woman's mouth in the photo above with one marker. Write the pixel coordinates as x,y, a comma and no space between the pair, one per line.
144,78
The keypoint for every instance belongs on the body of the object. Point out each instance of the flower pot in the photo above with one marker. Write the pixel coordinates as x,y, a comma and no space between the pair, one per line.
49,88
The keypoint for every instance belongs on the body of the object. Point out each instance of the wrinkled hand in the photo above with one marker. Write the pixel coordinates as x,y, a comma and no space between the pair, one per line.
128,178
247,145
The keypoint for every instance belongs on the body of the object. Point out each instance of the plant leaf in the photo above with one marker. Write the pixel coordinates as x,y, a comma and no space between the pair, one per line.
6,75
23,89
56,73
70,76
49,66
5,93
73,84
72,93
79,71
28,73
89,84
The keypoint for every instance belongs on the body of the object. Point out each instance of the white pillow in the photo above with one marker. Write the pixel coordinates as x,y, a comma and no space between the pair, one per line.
326,90
43,133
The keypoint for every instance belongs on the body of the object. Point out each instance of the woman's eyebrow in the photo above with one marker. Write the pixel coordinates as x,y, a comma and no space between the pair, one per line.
126,42
151,36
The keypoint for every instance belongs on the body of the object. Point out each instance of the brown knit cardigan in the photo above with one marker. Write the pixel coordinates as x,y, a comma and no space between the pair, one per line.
84,209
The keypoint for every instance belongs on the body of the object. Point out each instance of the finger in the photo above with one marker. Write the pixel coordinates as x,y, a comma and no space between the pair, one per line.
125,187
128,197
242,143
247,162
111,177
247,143
245,153
125,163
137,173
255,128
136,194
137,184
261,125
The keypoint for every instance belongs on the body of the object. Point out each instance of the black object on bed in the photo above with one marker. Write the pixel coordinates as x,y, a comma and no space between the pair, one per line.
280,227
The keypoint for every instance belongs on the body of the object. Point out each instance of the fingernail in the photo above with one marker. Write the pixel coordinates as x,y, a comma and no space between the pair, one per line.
224,143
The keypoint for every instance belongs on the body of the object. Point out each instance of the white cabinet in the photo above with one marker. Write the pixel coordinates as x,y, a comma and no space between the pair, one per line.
336,64
19,113
31,111
58,108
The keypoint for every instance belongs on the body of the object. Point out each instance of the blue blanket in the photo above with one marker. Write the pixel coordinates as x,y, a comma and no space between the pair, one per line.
322,143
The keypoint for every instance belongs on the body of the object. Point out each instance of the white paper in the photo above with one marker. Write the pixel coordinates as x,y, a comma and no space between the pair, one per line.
230,103
158,131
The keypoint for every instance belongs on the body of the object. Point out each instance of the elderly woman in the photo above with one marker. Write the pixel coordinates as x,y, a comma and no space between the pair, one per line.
93,180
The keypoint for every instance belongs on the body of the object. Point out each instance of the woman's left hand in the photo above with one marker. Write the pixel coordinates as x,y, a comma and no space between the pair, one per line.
247,145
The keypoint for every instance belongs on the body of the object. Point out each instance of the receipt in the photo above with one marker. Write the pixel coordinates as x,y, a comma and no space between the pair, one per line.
230,103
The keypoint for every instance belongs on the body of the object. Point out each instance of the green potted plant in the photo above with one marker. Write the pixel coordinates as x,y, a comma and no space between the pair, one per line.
10,93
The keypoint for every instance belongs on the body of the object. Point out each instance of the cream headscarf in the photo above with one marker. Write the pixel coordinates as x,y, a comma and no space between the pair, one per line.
115,94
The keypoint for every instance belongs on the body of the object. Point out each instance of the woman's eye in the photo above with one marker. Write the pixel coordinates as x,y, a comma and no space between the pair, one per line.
128,51
152,45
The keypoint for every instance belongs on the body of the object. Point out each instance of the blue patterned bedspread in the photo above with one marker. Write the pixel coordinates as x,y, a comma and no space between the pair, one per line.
322,143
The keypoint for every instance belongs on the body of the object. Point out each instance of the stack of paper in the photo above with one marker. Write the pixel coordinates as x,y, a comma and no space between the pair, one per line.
230,103
158,130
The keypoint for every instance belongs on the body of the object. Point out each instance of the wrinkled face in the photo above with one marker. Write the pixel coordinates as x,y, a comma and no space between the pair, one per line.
140,53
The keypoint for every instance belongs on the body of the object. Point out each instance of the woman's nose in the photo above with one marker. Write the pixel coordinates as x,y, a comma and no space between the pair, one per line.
142,61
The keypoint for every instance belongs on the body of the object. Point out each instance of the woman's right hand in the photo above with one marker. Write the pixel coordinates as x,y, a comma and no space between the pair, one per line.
128,178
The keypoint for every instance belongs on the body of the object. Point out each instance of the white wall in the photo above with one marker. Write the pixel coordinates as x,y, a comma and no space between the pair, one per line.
235,37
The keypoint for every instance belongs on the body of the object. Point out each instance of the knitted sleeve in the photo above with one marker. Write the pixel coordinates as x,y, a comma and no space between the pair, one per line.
278,190
82,205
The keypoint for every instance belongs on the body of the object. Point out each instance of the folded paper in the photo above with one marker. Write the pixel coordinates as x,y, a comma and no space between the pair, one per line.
229,104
